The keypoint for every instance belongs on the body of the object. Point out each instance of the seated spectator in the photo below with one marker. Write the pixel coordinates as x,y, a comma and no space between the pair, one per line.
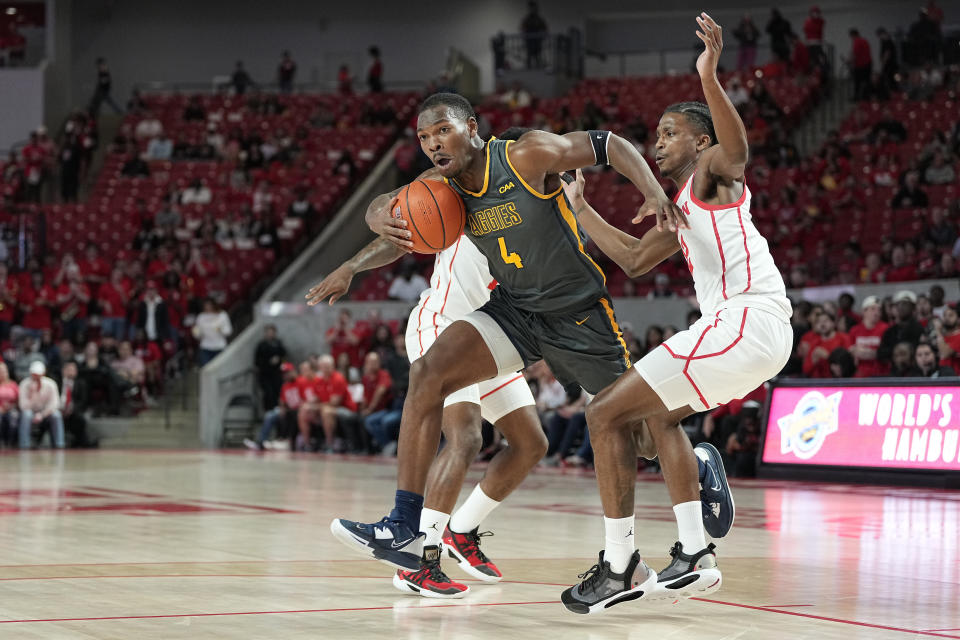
302,208
901,268
516,97
73,296
103,385
842,364
816,363
941,231
128,366
148,127
282,418
737,93
927,364
93,267
211,329
910,194
74,398
196,193
906,329
939,171
135,167
865,337
40,407
947,335
9,414
380,417
339,414
742,445
194,111
889,125
565,428
661,287
902,361
160,148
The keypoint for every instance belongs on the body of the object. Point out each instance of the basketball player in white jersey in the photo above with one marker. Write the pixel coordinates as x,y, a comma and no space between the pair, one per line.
461,283
743,339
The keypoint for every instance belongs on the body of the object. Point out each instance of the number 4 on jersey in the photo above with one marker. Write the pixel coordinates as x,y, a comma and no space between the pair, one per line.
509,258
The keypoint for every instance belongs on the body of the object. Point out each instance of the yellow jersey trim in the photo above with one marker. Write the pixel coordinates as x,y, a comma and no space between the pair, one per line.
571,221
616,328
486,176
506,154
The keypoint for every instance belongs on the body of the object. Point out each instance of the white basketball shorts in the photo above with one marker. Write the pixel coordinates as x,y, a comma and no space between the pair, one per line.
497,397
720,358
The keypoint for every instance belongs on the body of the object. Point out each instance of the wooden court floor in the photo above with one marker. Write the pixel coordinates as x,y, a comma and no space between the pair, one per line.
183,544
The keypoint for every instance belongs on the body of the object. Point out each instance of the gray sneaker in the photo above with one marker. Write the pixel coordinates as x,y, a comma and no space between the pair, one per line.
686,576
602,588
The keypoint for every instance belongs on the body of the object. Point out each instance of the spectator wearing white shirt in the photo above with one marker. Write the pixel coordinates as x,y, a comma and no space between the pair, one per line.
148,127
737,93
39,405
211,329
408,285
197,193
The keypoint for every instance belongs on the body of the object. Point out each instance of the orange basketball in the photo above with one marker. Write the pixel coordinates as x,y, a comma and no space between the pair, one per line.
434,212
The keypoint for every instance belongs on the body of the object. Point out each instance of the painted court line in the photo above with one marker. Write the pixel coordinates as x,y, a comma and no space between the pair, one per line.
261,613
826,619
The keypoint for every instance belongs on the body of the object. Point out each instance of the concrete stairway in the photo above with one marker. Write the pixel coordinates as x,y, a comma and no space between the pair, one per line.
173,424
827,115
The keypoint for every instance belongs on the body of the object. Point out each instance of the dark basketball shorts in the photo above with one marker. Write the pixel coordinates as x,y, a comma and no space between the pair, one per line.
584,348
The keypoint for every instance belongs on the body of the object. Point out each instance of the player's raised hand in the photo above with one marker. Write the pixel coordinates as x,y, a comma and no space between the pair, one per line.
712,35
394,229
669,215
573,189
333,286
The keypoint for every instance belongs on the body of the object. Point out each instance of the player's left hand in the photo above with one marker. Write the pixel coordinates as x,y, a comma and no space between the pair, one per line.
712,36
669,215
333,286
574,190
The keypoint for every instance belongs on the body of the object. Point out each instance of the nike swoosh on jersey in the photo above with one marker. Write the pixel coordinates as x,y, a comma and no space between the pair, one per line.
582,321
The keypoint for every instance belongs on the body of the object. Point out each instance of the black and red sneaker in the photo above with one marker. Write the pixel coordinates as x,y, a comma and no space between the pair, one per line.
465,549
430,581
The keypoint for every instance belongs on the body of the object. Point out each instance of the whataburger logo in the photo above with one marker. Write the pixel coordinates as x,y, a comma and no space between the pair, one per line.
814,418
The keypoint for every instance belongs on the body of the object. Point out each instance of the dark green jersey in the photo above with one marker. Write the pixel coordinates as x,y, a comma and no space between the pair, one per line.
531,240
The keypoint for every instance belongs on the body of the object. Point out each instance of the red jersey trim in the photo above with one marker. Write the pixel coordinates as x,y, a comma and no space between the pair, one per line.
743,230
723,261
492,391
717,207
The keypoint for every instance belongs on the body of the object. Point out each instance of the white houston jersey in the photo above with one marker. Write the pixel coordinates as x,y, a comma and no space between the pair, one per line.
461,283
729,260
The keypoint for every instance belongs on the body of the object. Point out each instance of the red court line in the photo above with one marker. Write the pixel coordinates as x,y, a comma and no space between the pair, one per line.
260,613
262,575
781,606
840,620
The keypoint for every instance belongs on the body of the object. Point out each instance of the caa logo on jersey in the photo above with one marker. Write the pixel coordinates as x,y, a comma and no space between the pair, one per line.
814,418
507,187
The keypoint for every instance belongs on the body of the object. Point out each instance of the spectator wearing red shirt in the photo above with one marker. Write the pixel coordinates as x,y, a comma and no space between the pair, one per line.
36,302
339,415
813,27
861,63
282,417
313,393
816,365
343,337
95,269
866,338
799,56
73,296
900,270
810,336
9,289
344,81
34,163
113,300
380,420
948,338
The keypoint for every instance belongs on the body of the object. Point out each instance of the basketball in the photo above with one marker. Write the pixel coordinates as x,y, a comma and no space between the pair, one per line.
434,212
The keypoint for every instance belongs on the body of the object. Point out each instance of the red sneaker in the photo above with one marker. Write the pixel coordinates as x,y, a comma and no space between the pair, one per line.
430,581
465,549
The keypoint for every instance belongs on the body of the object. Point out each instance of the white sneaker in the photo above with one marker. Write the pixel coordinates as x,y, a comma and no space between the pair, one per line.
252,445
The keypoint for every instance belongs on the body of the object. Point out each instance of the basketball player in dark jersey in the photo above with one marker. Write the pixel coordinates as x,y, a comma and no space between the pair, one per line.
552,301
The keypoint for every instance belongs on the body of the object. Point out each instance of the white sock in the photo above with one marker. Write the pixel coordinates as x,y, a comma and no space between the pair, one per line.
433,523
619,545
472,512
690,524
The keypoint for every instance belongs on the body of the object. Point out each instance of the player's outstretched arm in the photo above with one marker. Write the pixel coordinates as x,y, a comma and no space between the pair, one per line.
538,153
382,222
636,256
378,253
728,158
